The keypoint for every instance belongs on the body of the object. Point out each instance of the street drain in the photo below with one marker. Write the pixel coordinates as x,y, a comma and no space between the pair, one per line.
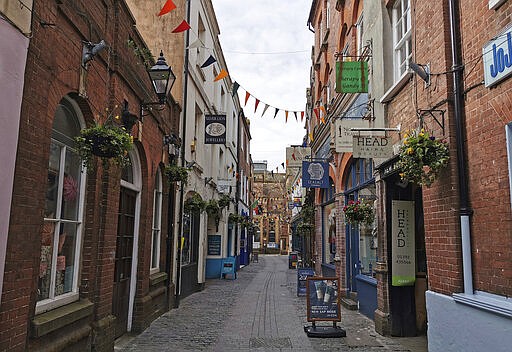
270,342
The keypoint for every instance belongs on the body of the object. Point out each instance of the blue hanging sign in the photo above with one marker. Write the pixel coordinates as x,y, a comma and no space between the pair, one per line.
315,174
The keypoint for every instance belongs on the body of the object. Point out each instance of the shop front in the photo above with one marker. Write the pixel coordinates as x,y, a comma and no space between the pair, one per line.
361,237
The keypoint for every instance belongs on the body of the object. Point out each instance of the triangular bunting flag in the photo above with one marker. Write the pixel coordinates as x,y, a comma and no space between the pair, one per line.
223,74
236,85
322,120
293,156
295,113
276,112
247,95
168,7
315,110
208,62
264,109
311,137
301,116
256,104
286,116
282,164
196,44
323,110
184,26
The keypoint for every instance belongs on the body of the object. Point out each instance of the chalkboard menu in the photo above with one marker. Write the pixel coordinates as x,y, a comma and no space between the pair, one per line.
302,275
323,299
214,242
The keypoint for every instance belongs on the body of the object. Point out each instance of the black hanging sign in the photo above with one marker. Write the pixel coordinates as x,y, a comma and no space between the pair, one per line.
215,129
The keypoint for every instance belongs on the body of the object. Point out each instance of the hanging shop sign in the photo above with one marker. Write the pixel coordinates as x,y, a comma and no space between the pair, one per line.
497,58
372,147
351,77
344,136
315,174
296,155
215,129
403,248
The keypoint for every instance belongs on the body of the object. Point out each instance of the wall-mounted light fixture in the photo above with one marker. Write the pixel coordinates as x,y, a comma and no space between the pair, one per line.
421,70
162,79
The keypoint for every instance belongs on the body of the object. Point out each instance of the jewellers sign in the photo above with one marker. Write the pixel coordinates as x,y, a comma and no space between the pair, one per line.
368,147
215,129
497,58
403,247
344,136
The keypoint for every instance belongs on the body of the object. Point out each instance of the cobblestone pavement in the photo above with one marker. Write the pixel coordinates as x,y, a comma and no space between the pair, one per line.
259,311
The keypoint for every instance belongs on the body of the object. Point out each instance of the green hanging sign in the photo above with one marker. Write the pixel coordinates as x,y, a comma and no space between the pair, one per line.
351,77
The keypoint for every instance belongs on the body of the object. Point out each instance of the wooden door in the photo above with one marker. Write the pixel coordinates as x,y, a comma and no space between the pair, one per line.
123,260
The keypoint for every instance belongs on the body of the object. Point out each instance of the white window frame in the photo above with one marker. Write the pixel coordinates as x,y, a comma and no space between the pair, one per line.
403,41
53,301
156,231
493,4
359,35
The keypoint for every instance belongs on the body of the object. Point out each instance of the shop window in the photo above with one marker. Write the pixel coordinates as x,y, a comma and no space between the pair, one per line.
329,224
191,223
402,42
360,186
62,229
157,223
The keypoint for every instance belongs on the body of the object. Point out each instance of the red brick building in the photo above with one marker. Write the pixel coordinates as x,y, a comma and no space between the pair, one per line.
86,251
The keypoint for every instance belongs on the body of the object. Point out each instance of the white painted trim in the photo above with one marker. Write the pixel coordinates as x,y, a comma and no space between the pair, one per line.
395,88
136,186
493,4
486,301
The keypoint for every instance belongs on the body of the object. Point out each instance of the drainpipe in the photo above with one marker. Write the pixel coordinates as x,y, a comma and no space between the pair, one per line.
182,156
465,210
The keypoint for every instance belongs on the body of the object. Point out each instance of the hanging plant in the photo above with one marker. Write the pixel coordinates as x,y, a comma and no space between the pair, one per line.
422,157
143,54
176,173
359,212
235,218
224,201
212,207
107,141
305,228
194,203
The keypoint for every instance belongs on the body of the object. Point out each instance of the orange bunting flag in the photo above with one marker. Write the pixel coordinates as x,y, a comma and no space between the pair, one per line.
322,120
168,7
323,110
311,137
223,74
315,110
184,26
247,95
286,116
256,105
301,116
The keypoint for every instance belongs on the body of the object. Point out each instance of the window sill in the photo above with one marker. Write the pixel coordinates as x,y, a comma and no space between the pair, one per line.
156,278
45,323
367,279
489,302
396,88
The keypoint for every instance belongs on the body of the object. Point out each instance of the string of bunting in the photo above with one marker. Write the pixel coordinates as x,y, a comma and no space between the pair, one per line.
319,112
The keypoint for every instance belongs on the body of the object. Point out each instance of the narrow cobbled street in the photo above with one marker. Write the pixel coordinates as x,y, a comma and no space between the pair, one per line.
259,311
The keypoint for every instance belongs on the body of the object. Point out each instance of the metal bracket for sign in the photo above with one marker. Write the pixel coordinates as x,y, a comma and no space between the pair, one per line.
377,129
432,113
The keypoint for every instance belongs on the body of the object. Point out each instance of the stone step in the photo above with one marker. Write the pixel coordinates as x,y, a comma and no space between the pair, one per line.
349,303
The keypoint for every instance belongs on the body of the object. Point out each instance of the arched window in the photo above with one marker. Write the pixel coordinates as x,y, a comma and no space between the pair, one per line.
157,223
61,236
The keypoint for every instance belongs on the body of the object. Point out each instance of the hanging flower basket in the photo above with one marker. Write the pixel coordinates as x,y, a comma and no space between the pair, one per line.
305,228
359,212
422,157
176,173
224,201
235,218
194,203
104,141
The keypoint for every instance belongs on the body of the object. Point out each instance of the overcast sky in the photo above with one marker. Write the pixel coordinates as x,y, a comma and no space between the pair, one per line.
267,47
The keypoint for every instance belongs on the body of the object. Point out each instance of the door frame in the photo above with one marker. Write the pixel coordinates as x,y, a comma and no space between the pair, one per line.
137,187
